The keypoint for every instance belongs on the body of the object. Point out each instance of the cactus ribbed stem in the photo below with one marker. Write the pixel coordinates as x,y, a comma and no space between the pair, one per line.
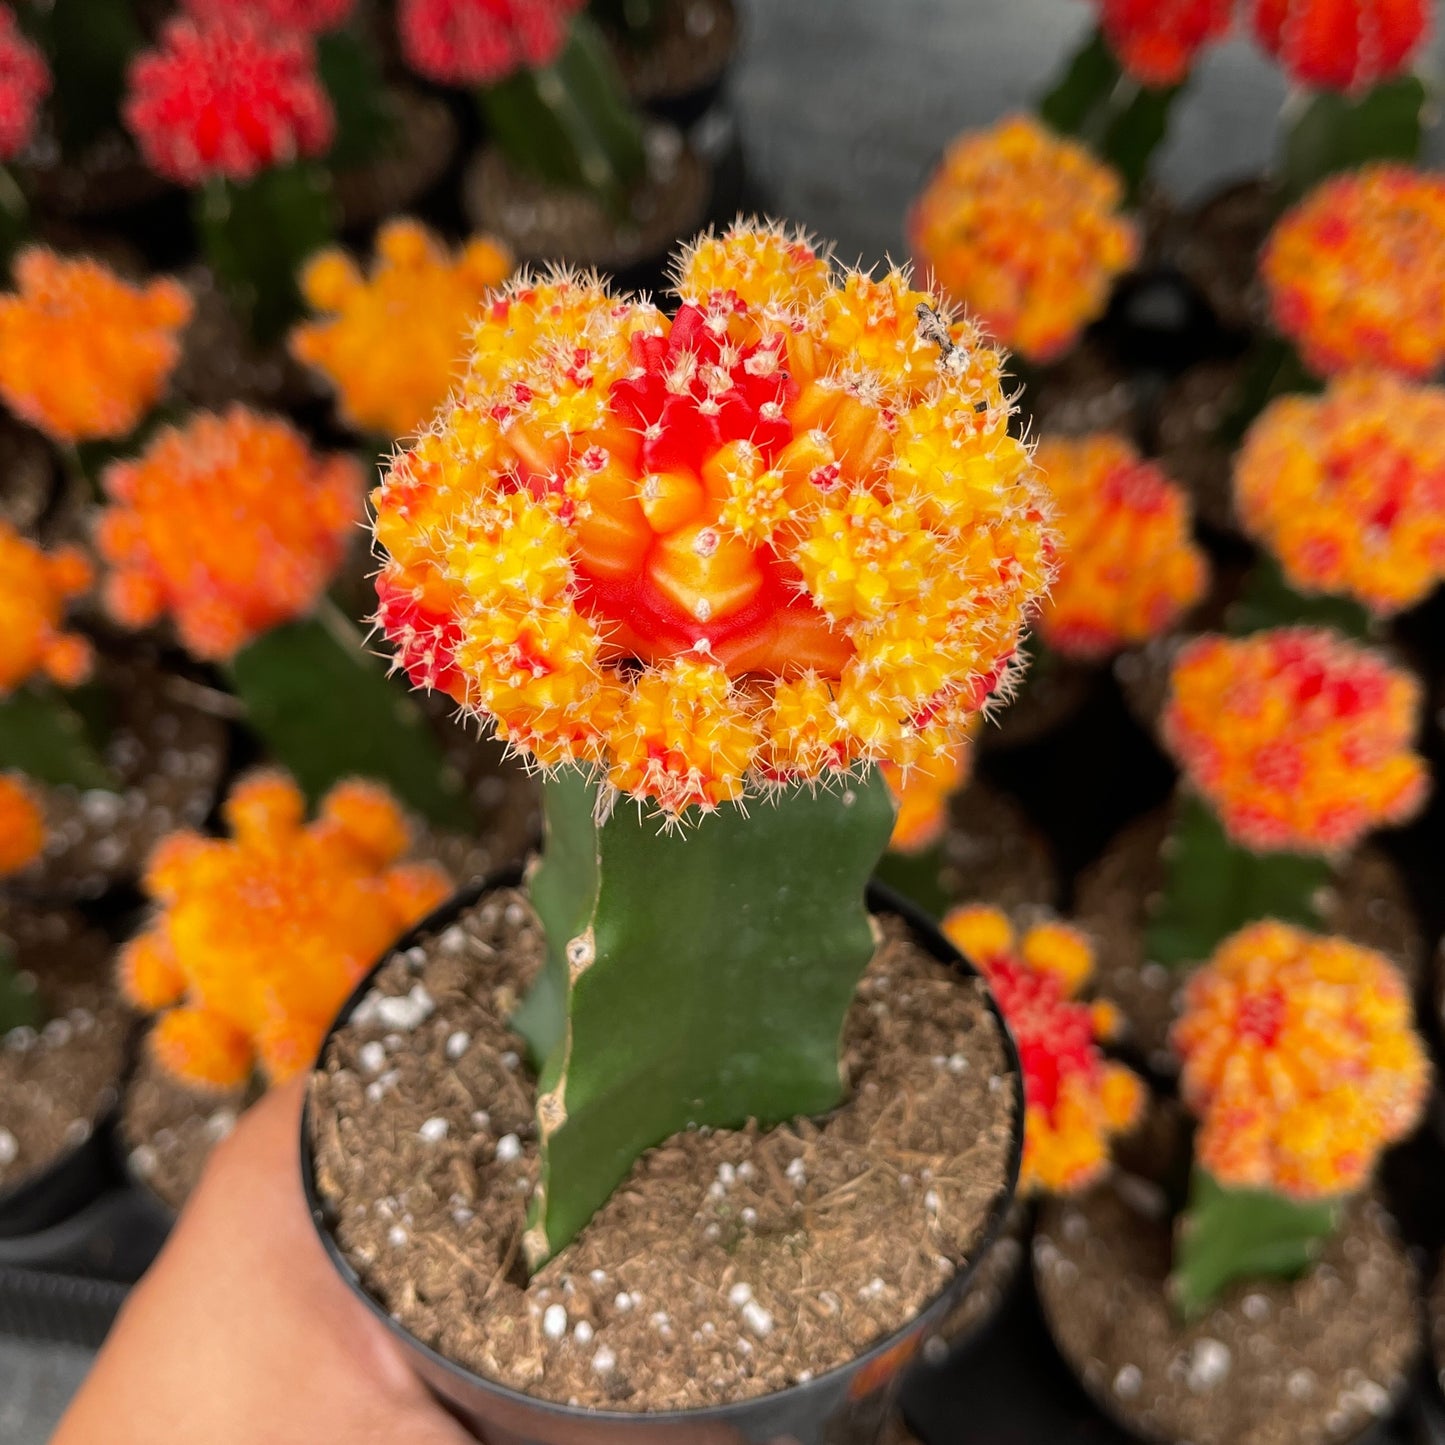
51,740
1335,132
89,44
570,123
365,123
19,1002
694,977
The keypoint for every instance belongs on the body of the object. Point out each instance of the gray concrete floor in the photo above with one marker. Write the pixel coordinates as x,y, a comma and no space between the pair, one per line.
845,105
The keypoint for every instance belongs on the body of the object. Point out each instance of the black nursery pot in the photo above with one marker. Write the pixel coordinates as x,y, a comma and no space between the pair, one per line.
849,1405
62,1188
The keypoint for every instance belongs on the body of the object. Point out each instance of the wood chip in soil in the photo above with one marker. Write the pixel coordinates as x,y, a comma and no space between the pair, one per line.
1303,1362
169,1130
1369,903
731,1262
544,223
168,757
57,1083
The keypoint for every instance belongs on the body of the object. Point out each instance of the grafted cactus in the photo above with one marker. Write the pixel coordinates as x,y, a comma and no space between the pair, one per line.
706,571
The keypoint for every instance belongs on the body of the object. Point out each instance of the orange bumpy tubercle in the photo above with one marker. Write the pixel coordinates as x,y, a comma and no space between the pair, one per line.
1298,740
85,354
1075,1100
1356,270
417,290
36,587
1023,228
1300,1060
229,525
1347,490
22,824
923,793
258,939
781,533
1129,568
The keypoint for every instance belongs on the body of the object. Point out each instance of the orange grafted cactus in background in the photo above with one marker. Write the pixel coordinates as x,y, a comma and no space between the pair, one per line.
1075,1100
1023,229
416,289
228,525
781,533
923,792
1341,44
1298,740
22,824
1347,490
1157,40
1300,1061
258,939
1128,566
35,589
84,354
1356,270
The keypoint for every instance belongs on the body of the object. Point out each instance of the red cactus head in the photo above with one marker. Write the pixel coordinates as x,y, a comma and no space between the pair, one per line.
1340,44
478,42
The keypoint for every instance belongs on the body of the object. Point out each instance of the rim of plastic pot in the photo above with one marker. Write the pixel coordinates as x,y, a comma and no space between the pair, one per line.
60,1189
889,1355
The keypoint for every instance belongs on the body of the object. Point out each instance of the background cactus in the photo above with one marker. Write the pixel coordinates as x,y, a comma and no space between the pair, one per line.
1274,1164
22,837
1074,1098
258,939
1294,744
735,556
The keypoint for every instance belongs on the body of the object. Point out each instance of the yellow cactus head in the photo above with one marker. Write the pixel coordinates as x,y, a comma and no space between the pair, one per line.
1300,1061
22,824
1075,1100
1129,568
391,342
84,355
258,939
1356,270
35,589
755,543
229,525
1023,229
1298,740
1347,490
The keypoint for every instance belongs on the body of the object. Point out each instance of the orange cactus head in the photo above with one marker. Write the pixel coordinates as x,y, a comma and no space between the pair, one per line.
417,289
1298,740
229,525
756,543
1300,1061
1075,1100
22,824
922,792
258,939
1347,490
1356,270
1129,568
1340,44
35,589
83,354
1023,229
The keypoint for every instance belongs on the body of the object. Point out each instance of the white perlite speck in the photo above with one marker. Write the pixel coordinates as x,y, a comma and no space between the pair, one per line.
757,1319
457,1044
797,1174
554,1322
604,1360
582,1332
372,1056
623,1302
1127,1381
740,1294
396,1236
1209,1363
407,1011
509,1148
9,1147
434,1130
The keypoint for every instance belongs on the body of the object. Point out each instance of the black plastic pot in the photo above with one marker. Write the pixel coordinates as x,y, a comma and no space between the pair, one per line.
849,1405
51,1195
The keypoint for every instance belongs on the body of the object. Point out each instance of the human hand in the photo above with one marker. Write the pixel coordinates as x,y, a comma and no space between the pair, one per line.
242,1334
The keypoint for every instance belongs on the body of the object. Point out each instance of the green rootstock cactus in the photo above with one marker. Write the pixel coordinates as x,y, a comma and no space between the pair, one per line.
692,978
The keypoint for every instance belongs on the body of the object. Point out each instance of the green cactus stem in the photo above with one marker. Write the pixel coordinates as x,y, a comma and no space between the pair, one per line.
1213,887
89,45
570,123
694,977
1267,600
1228,1234
258,235
1123,122
55,738
326,710
366,125
1337,132
19,1001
